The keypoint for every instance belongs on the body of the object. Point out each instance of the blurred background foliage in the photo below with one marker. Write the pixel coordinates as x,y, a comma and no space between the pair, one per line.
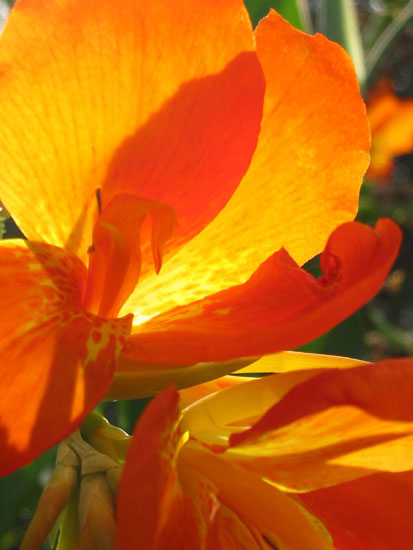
378,34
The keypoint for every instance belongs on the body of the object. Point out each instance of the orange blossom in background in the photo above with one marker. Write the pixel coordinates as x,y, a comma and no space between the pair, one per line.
391,122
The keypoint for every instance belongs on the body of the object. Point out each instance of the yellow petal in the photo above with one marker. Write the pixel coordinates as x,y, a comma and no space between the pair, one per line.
213,418
296,360
279,362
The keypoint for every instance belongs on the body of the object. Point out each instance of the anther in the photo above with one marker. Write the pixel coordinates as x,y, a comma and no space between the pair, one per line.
99,200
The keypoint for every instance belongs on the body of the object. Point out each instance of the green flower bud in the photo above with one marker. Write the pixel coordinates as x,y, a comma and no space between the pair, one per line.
113,478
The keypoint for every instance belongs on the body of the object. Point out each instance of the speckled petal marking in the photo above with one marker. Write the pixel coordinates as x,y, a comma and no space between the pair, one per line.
56,360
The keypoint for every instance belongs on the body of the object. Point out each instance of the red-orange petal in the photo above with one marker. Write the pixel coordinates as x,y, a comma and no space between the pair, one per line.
382,389
280,307
154,513
56,360
373,513
161,99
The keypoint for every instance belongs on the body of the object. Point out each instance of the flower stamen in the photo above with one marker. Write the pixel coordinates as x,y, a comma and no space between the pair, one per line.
115,256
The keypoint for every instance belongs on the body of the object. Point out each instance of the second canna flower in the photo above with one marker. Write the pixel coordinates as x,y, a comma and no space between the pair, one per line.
285,461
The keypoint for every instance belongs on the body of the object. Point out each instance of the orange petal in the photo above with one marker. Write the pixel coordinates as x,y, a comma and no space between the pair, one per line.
391,121
151,502
303,181
281,306
115,256
57,361
373,513
383,389
381,104
391,140
162,100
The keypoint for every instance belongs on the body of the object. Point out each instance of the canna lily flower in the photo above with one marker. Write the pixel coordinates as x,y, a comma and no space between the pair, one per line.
284,461
391,121
139,135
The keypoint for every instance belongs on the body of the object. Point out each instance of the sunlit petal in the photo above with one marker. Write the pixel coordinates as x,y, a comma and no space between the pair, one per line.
296,360
280,307
369,387
159,99
280,362
333,427
303,181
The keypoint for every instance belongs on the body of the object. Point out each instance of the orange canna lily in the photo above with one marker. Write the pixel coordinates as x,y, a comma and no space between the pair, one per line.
391,122
260,463
134,132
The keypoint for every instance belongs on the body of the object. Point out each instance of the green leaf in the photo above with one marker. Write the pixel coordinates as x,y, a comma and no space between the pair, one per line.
257,9
346,339
295,12
130,411
393,334
23,489
2,227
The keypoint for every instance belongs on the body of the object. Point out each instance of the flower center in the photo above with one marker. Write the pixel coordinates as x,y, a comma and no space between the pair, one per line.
115,257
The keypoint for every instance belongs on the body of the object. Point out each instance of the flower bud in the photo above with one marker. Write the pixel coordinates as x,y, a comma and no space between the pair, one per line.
110,437
92,461
96,514
113,477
